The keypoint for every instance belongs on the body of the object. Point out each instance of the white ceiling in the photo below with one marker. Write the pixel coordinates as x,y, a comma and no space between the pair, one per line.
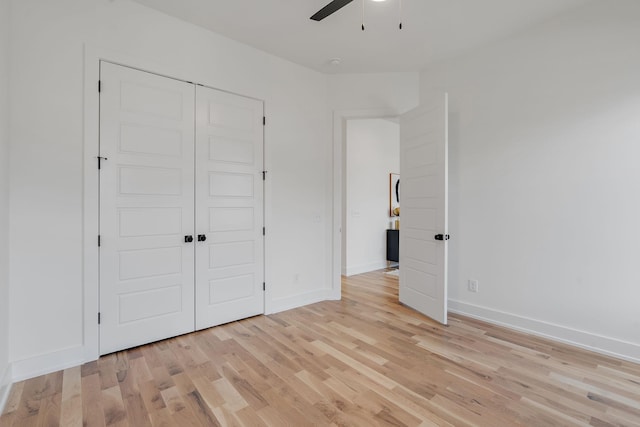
432,29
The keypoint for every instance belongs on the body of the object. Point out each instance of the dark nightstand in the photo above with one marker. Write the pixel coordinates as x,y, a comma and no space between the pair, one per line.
393,245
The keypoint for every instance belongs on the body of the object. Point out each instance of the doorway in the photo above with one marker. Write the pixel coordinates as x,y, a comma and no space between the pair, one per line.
372,154
424,235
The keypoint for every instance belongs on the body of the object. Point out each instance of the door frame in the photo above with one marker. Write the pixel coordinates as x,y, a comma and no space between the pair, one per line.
340,118
93,55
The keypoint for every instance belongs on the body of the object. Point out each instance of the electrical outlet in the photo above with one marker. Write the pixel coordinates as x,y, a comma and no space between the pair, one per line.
472,285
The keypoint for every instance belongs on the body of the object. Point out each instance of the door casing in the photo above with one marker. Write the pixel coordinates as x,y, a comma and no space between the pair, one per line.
89,350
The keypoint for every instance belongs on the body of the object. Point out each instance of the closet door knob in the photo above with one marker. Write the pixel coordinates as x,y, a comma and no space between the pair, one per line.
188,239
202,237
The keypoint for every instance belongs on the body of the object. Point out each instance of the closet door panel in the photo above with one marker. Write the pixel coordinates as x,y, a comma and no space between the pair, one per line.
146,207
229,207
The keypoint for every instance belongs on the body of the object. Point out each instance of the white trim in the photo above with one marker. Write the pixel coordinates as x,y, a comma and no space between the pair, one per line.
290,302
5,387
586,340
47,363
351,270
90,206
340,118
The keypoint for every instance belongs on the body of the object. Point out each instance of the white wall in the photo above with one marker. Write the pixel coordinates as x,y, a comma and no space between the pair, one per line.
373,151
47,152
4,199
394,91
544,178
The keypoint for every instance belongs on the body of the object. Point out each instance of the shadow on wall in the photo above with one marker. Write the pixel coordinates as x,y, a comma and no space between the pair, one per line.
454,202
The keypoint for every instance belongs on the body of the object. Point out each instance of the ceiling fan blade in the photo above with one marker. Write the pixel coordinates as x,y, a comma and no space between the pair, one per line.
334,6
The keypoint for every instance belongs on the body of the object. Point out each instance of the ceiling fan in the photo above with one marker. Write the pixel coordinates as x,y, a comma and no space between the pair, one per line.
336,5
329,9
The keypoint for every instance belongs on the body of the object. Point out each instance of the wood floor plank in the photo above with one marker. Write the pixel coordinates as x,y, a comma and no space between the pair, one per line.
30,401
196,404
115,413
173,400
92,401
365,360
49,414
15,398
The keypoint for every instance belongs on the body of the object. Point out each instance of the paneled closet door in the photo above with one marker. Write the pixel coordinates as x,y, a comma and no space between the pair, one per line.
146,207
229,207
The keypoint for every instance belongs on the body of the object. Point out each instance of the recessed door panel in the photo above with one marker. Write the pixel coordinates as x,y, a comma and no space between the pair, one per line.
227,184
146,207
147,305
231,254
153,98
142,221
229,212
231,150
150,181
231,219
231,114
150,140
231,289
142,263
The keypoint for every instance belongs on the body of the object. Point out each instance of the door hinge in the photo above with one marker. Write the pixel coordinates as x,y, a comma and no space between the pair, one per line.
99,86
264,286
99,319
264,175
264,231
264,120
99,240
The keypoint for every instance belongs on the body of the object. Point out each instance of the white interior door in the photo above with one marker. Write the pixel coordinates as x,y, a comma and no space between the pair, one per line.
229,207
146,207
423,208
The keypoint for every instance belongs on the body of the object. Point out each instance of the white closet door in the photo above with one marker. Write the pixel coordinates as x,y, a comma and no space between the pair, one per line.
146,208
229,207
423,201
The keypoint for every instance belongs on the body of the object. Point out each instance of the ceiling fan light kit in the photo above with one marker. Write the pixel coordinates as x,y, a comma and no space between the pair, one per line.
336,5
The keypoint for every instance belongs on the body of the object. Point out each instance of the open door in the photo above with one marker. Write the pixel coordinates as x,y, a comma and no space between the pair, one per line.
423,234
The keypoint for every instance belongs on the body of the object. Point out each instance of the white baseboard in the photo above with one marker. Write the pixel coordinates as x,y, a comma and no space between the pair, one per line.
5,386
351,270
287,303
586,340
47,363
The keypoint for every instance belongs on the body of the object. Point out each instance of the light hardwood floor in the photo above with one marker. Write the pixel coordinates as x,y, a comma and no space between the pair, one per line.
362,361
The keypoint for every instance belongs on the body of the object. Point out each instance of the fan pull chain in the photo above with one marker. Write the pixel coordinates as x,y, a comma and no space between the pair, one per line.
362,15
400,13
